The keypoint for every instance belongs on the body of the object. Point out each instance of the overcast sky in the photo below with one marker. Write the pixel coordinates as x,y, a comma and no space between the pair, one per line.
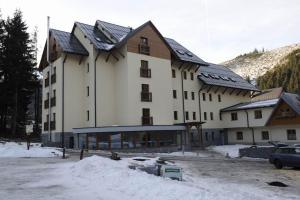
215,30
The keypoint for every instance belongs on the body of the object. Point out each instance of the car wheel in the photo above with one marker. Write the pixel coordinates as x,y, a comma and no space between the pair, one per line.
278,164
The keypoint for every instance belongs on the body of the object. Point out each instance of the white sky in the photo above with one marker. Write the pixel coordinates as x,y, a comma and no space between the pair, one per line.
215,30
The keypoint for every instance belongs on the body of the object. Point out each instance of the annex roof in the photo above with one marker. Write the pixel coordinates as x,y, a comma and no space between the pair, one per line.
273,93
252,105
68,42
219,75
293,100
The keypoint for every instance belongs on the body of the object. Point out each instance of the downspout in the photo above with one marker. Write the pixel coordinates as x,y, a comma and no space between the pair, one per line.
182,95
248,126
63,104
200,116
50,74
95,88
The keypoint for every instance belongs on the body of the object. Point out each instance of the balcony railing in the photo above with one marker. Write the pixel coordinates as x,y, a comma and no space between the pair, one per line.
46,126
146,96
53,78
46,82
145,72
46,103
53,101
147,120
144,49
52,125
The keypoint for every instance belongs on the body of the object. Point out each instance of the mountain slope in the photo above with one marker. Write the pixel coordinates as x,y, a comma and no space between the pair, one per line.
286,74
257,63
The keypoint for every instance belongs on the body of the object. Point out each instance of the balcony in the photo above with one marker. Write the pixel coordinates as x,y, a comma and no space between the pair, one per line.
46,104
46,82
146,96
52,125
144,49
46,126
145,72
147,120
53,101
53,78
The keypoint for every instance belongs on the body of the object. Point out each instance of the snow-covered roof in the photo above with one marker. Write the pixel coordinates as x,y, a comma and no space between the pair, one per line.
252,105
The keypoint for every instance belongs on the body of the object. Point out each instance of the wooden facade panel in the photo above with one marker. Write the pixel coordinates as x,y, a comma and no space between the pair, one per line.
157,46
284,115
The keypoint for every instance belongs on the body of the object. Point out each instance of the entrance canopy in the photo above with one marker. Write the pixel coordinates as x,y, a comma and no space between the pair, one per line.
117,129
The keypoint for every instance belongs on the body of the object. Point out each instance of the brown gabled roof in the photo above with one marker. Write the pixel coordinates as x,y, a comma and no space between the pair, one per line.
268,94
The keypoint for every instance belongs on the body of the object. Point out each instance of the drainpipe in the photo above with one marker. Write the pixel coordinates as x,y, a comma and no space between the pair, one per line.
95,87
63,104
200,116
252,130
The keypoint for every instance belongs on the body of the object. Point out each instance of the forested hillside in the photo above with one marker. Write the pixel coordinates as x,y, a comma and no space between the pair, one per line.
286,74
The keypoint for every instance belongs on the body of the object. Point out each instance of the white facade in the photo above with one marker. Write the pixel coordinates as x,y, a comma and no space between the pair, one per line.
102,89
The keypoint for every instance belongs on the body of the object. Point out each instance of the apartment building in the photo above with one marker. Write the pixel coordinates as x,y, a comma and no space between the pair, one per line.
110,86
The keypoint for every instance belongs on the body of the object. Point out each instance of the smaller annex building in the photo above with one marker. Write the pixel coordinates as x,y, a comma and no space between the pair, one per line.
272,116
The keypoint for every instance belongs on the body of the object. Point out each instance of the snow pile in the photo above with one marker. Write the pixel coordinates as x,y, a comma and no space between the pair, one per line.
231,150
13,149
97,178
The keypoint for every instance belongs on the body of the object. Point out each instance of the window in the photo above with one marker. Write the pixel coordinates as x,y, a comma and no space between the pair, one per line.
205,116
54,93
47,118
257,114
192,76
213,136
143,46
175,115
291,134
265,135
47,95
204,96
173,73
210,97
87,91
234,116
174,94
145,88
87,68
206,136
211,116
193,95
184,75
144,41
54,70
146,118
194,115
54,117
146,96
187,115
220,116
239,135
87,115
185,95
144,70
219,98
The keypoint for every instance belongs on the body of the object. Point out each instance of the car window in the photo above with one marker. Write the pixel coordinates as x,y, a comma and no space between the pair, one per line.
297,151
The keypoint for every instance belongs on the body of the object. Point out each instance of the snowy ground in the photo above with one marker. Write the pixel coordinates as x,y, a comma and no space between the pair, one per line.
97,178
13,149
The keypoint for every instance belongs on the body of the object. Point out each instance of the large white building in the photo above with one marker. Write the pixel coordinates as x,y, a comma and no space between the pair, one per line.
110,86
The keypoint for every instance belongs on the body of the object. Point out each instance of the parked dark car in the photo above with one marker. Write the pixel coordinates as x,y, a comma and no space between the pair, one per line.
285,157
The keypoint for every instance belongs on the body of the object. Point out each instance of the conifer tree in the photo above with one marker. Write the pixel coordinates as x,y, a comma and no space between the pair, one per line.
19,65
